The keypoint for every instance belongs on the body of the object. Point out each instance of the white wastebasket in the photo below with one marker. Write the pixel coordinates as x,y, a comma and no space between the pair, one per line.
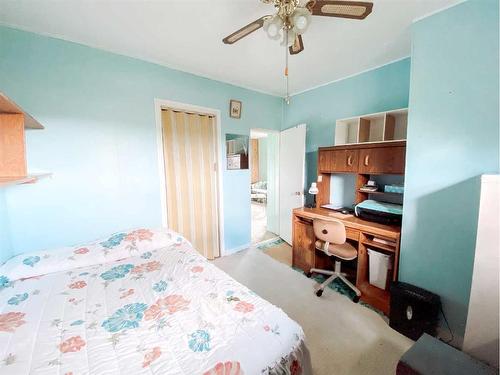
380,264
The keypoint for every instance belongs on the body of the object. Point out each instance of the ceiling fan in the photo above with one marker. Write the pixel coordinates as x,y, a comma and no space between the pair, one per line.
292,19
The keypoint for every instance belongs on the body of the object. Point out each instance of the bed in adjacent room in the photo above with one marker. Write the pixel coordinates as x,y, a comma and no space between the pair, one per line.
137,303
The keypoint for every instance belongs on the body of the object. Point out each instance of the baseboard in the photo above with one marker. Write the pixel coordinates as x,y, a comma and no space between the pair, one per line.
265,242
236,249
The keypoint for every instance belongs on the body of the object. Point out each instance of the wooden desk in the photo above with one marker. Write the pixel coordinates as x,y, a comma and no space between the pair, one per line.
362,232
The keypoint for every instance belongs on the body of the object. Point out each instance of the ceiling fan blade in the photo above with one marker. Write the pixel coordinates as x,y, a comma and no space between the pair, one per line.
245,30
297,46
344,9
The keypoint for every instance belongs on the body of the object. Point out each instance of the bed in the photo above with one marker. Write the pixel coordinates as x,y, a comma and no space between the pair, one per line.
139,302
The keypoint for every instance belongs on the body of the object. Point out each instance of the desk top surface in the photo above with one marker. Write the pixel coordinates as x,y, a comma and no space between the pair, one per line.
350,221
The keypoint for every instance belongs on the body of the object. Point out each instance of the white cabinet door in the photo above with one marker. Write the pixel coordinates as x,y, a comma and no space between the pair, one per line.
292,174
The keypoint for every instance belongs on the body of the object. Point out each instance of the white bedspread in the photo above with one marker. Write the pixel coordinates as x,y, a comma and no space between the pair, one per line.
137,303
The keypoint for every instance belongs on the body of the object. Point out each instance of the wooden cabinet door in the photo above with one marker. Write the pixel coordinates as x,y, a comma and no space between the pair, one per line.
338,161
324,160
303,245
344,161
382,160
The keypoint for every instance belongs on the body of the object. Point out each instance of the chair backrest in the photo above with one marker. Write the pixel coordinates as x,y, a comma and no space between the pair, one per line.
330,231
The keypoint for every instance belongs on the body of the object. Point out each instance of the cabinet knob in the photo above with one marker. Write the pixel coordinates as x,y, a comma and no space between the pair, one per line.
349,160
367,160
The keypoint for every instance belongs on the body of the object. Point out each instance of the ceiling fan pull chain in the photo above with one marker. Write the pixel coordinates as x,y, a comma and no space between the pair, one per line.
287,97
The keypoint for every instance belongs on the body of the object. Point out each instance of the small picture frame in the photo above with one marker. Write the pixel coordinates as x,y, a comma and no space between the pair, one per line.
235,108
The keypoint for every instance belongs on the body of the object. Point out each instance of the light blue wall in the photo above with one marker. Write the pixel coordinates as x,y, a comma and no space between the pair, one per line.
377,90
5,247
100,140
453,137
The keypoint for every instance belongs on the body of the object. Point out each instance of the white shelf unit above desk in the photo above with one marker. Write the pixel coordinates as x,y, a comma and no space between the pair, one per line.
376,127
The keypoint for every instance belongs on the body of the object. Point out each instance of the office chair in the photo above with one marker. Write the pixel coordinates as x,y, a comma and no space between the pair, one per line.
331,239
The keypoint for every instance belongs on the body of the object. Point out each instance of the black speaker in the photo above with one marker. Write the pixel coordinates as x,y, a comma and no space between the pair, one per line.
413,310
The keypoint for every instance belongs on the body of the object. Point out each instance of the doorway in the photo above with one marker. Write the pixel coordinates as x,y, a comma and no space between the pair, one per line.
264,180
189,154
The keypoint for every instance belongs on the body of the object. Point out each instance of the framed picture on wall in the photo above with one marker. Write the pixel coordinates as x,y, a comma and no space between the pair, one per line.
235,108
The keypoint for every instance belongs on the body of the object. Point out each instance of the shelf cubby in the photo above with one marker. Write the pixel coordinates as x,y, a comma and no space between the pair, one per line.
347,131
377,127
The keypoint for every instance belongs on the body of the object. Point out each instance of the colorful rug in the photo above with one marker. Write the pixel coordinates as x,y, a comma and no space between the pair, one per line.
278,250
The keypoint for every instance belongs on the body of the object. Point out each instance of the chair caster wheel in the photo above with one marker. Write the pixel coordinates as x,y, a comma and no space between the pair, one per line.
319,293
309,275
355,299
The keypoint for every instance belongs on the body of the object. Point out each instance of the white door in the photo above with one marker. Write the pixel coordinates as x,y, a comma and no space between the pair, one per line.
292,174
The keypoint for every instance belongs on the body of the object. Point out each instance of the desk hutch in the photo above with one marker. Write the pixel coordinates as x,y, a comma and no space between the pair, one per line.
362,155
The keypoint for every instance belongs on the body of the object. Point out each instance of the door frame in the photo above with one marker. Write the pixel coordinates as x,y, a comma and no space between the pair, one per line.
185,107
277,179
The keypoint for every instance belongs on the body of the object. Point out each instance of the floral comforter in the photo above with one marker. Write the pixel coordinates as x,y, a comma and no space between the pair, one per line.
138,302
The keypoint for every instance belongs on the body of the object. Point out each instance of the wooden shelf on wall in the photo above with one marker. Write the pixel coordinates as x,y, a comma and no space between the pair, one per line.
8,106
30,179
13,164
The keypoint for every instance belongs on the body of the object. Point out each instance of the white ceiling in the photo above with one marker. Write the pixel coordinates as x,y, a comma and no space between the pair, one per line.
187,34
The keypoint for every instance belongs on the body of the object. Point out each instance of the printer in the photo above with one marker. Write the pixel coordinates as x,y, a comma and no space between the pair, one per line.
380,212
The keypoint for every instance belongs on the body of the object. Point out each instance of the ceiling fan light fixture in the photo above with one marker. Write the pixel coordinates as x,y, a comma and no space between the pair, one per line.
273,27
301,19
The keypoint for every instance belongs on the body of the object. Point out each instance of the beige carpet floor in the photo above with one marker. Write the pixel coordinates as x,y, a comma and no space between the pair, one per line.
343,337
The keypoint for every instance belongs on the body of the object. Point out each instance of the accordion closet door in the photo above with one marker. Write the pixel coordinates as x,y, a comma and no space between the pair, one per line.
190,156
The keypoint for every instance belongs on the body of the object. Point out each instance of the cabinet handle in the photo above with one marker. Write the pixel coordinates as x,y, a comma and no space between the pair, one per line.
367,159
349,160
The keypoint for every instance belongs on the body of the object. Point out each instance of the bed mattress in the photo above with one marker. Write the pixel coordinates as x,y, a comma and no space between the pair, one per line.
139,302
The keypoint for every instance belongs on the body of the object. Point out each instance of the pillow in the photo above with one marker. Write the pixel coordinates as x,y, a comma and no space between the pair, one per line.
138,242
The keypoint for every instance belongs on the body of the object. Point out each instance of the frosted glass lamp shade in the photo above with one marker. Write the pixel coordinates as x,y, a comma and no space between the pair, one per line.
313,189
273,27
301,19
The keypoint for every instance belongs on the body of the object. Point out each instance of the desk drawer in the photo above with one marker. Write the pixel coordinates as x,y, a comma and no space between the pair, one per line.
352,234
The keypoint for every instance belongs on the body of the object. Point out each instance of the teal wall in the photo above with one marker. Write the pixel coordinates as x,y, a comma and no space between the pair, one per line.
377,90
453,137
5,247
100,141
